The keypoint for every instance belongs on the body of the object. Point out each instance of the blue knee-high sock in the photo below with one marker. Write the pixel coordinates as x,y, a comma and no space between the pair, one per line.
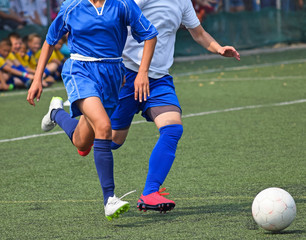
63,119
105,166
162,157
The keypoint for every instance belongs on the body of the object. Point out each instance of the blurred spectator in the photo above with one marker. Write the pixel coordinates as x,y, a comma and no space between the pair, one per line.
34,50
42,11
22,55
292,5
3,79
285,5
9,18
57,59
267,3
35,12
300,4
204,7
252,5
12,74
65,49
16,42
55,7
236,5
34,45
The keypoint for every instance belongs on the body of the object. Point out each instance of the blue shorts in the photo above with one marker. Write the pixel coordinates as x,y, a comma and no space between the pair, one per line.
101,79
162,93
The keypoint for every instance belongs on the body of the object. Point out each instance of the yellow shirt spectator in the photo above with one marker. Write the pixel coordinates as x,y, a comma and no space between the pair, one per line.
57,55
33,59
24,61
11,56
2,62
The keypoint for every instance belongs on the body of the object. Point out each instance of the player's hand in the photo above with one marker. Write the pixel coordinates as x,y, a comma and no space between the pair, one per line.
229,51
34,92
141,84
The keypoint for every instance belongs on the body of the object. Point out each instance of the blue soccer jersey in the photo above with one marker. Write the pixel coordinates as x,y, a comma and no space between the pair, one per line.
99,32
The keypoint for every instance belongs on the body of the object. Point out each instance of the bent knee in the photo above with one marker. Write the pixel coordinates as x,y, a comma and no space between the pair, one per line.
103,130
175,131
83,145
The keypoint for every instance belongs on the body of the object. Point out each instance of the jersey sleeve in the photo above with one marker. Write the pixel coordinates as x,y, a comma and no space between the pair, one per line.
190,19
58,27
141,28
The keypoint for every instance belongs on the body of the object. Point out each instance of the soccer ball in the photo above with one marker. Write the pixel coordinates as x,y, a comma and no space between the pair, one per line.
273,209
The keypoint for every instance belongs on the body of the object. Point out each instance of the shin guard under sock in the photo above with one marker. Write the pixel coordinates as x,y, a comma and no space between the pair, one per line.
162,157
105,167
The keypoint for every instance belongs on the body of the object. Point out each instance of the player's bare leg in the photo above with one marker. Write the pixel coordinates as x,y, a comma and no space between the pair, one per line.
95,115
119,136
83,136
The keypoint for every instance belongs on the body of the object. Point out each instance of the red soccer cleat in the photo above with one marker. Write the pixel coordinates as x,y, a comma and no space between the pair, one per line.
86,152
155,201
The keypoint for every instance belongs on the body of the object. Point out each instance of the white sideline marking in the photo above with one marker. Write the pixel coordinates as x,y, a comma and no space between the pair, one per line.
207,198
240,79
245,107
25,92
214,70
242,53
30,136
184,116
238,68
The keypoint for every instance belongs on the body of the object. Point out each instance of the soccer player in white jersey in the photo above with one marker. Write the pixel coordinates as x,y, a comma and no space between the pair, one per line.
162,106
93,77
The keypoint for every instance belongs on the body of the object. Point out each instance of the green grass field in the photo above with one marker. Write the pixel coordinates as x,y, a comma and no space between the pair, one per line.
244,131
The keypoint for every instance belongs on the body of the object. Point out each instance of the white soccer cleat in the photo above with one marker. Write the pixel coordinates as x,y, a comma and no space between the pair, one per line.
114,207
47,124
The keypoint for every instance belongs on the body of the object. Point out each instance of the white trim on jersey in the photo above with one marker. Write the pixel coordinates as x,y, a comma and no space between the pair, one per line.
99,13
79,57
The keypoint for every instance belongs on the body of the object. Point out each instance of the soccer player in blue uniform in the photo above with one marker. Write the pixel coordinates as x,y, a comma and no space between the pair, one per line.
93,77
162,106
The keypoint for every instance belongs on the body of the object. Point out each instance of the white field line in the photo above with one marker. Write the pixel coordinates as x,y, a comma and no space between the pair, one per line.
242,53
25,92
238,68
100,200
241,79
11,94
184,116
207,198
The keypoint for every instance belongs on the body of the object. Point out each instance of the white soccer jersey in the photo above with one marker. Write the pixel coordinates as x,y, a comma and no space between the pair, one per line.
166,16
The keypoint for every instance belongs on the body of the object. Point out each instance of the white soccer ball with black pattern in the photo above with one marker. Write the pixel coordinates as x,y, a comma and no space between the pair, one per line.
273,209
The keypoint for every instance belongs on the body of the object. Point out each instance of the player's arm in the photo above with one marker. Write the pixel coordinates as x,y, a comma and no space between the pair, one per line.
141,83
207,41
36,87
16,72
